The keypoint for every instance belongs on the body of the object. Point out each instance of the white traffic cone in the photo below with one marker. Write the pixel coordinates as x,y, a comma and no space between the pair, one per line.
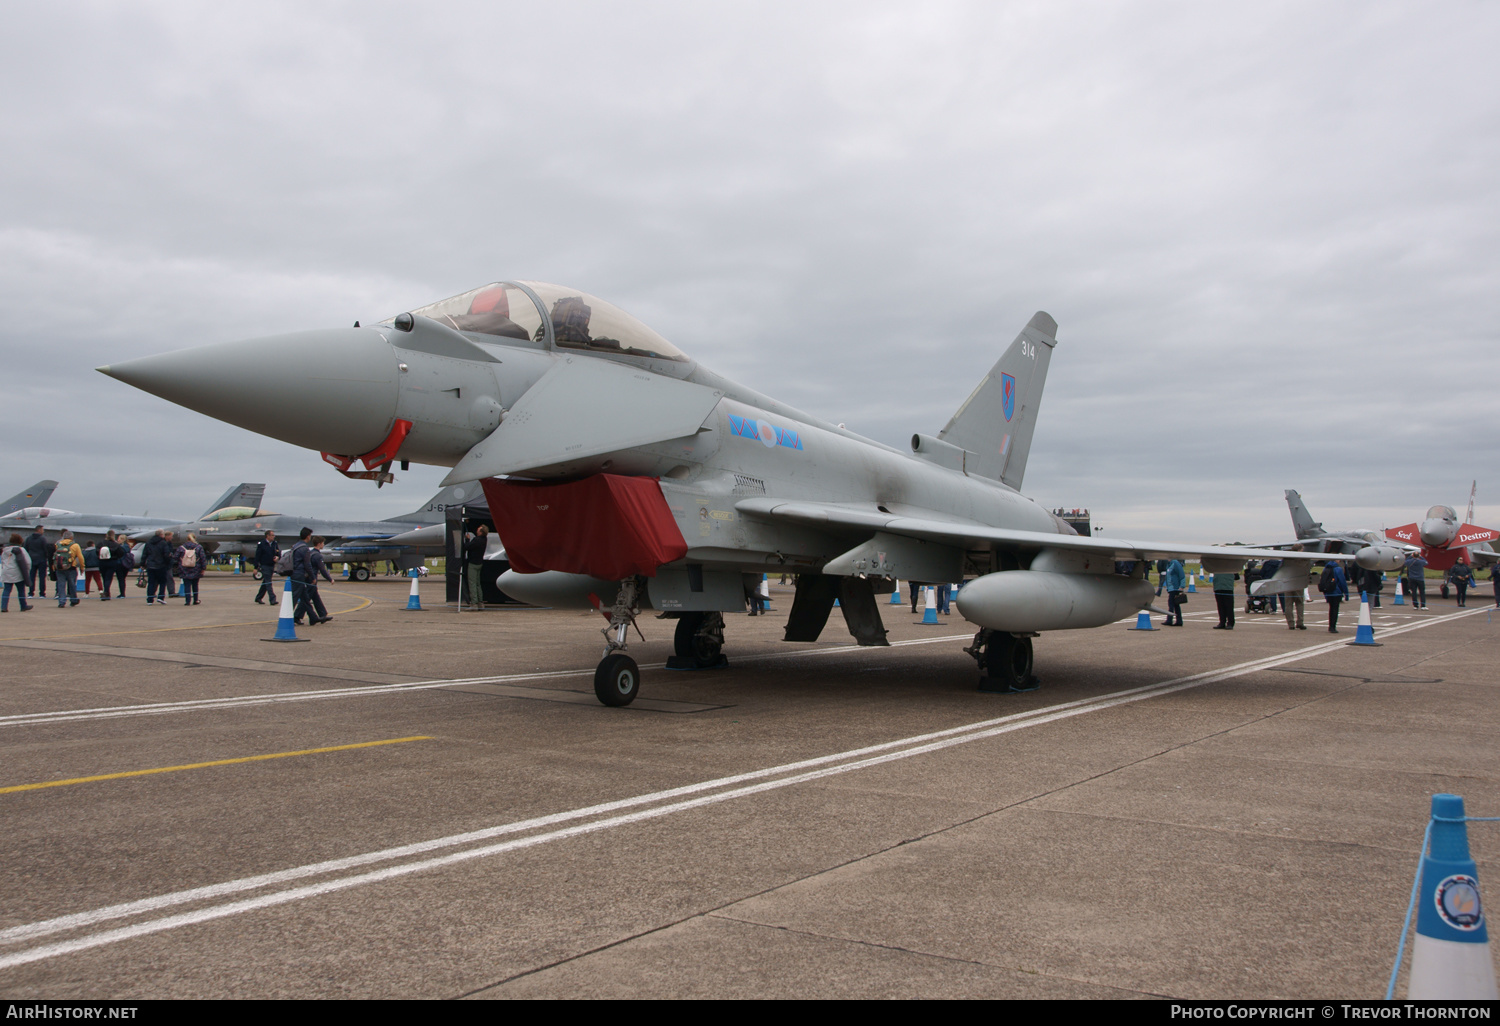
1450,957
1365,633
286,630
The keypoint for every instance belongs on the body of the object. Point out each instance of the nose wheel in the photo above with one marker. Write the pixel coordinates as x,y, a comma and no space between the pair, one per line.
617,680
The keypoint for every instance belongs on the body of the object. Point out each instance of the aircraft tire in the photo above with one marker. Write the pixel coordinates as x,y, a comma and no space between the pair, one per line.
1008,661
617,680
687,630
360,572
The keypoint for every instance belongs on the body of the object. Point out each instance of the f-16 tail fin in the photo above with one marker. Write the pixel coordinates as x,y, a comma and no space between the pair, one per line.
36,495
1302,522
243,494
432,512
996,421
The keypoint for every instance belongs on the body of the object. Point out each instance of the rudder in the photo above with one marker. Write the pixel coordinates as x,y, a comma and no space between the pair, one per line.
996,422
36,495
1303,525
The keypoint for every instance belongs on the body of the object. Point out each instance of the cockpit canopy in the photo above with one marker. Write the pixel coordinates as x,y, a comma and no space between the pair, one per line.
41,512
577,319
236,513
1443,513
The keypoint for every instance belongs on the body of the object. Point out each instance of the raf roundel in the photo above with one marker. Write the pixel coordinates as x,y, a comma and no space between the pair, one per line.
767,435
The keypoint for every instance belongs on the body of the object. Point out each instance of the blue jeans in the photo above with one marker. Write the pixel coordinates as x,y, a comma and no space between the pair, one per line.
20,587
67,586
942,597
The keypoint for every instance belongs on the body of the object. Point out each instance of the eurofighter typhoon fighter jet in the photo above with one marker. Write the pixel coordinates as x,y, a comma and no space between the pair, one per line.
622,474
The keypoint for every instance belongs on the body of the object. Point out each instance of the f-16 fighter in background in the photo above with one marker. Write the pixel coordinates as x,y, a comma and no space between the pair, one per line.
621,473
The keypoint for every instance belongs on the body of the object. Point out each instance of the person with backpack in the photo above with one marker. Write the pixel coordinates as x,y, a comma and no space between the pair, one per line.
1335,589
267,552
156,559
39,550
310,563
108,552
90,567
15,572
67,560
190,560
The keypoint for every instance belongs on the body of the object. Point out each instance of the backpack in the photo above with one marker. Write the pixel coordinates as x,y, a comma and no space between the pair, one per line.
127,558
189,557
1327,582
284,563
62,559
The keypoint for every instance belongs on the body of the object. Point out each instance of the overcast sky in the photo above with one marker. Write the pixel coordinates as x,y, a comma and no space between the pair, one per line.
1268,233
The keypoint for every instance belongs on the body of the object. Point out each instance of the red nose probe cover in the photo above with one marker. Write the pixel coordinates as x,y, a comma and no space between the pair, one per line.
604,526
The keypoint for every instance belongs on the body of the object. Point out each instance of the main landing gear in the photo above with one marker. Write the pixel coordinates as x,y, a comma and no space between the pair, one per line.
1005,661
699,642
359,572
617,679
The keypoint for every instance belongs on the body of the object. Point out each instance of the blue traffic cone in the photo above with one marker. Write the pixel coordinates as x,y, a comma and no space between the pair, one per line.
896,595
414,601
929,614
1192,583
1399,600
1450,958
1143,621
286,630
1365,634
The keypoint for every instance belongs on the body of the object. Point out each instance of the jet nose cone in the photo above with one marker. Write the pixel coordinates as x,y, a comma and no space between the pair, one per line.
1435,532
333,390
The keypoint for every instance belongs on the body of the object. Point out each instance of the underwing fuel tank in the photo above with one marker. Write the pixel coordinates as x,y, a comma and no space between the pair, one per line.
1039,600
1380,557
556,589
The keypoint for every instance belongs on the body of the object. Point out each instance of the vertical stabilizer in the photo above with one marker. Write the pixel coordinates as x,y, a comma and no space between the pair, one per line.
997,420
243,494
36,495
432,512
1302,522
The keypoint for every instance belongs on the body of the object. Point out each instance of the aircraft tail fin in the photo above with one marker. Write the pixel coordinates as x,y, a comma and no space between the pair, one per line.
36,495
1302,522
433,511
997,420
243,494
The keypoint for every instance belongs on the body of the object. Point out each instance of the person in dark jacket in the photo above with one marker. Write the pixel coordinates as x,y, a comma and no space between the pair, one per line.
301,572
156,560
39,550
1462,579
1335,589
1416,581
311,552
189,560
109,551
1371,584
474,565
266,554
90,567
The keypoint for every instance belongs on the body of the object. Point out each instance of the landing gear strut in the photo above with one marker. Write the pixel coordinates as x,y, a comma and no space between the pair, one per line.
1005,661
617,680
699,642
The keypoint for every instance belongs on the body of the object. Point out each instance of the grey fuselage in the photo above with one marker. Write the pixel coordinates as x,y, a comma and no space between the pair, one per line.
349,541
85,526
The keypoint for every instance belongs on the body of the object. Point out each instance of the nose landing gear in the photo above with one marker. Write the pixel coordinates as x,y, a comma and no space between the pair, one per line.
617,679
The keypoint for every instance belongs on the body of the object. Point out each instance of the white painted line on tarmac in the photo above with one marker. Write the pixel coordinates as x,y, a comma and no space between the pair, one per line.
241,701
786,775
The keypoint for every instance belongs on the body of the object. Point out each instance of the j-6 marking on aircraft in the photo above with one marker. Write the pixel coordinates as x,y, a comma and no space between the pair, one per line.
623,474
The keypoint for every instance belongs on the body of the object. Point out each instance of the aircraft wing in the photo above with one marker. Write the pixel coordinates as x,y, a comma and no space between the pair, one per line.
1409,533
835,515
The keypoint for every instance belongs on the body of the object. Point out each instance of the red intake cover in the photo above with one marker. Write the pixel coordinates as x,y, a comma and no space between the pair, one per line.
605,526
